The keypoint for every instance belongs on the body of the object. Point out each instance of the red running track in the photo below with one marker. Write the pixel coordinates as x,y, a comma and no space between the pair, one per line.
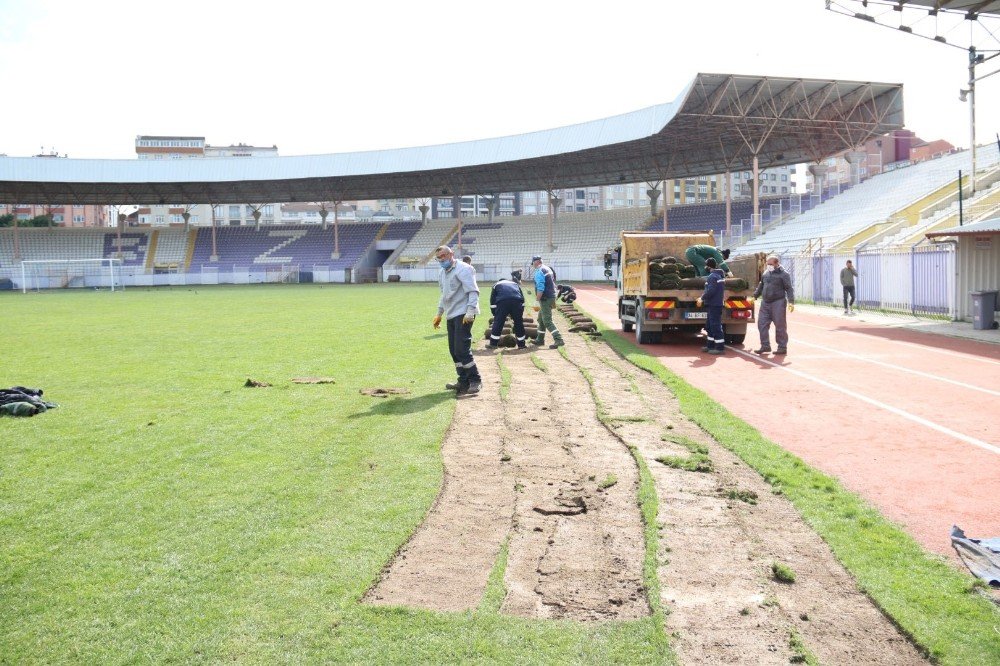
908,420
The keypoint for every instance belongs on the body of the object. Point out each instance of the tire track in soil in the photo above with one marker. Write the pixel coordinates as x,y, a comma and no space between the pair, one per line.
723,603
576,549
446,563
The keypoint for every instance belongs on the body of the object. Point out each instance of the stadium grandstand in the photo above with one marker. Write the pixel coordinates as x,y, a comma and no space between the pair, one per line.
896,206
718,123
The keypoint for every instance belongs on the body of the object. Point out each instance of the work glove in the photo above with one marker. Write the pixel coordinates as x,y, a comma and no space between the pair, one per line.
752,300
698,302
536,308
437,321
791,307
468,319
729,274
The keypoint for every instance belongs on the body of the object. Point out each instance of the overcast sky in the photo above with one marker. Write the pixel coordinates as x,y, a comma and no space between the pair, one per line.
84,78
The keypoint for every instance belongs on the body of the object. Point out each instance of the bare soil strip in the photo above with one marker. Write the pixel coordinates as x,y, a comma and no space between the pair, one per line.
543,468
577,545
721,533
446,564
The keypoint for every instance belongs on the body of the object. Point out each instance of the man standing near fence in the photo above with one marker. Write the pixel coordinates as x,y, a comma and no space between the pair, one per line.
776,294
847,275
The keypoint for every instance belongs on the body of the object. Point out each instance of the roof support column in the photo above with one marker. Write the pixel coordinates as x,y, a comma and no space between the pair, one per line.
256,218
187,220
492,206
819,179
456,203
756,196
653,192
121,223
729,202
17,239
554,202
665,225
323,212
336,230
215,252
424,209
854,159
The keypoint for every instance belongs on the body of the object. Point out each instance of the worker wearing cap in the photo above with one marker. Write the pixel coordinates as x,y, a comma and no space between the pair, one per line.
459,305
507,300
545,294
697,254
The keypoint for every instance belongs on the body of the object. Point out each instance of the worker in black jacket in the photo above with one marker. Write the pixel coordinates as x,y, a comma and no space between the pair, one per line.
507,299
565,293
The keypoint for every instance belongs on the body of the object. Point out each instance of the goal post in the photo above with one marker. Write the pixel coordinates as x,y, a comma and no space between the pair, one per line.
37,274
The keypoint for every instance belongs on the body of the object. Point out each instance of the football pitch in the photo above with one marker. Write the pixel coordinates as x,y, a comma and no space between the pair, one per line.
165,512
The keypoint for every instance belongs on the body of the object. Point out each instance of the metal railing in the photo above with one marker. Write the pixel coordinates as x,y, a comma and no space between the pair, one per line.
912,280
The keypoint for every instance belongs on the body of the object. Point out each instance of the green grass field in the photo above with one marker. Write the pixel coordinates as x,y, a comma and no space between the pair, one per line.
166,513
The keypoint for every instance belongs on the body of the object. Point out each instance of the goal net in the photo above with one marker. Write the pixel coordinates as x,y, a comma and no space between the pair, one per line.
65,273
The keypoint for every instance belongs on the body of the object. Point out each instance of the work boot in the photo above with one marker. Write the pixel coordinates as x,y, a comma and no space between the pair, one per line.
716,352
538,341
453,386
706,348
475,386
781,350
557,344
762,350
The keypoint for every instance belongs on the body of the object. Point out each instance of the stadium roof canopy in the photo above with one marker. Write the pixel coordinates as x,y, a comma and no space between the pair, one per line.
971,8
716,124
983,228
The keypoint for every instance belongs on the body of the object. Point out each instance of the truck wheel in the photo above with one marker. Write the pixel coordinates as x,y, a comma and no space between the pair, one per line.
735,338
642,336
627,326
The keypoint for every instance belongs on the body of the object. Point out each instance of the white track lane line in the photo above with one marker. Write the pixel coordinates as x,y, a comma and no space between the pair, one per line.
968,356
895,410
900,368
871,401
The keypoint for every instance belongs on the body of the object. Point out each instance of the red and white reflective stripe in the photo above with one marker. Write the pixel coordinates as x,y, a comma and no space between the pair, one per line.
660,305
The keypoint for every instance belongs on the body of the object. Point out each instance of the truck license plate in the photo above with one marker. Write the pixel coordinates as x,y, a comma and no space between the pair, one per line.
696,315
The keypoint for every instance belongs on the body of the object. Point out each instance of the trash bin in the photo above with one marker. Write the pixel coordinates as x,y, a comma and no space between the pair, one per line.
983,305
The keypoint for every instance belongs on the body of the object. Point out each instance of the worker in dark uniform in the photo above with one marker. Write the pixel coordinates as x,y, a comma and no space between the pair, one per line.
712,299
565,293
507,300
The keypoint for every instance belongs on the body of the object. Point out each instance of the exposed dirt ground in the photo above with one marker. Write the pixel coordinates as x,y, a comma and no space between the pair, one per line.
531,469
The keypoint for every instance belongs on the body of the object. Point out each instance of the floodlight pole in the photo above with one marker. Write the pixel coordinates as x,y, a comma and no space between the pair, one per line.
972,118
